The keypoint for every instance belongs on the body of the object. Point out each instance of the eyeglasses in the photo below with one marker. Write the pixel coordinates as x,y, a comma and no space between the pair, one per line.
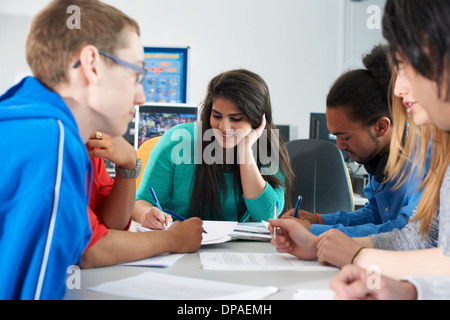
142,71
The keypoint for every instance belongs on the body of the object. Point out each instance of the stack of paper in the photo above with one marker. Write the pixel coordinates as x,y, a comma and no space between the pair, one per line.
251,231
223,231
159,286
216,231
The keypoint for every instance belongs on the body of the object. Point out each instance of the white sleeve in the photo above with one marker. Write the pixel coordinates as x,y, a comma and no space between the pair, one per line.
431,287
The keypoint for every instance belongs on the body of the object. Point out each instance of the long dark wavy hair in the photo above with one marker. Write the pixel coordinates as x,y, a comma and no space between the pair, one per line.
249,92
419,31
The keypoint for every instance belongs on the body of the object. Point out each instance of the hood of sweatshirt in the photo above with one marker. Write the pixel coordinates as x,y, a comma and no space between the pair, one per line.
31,99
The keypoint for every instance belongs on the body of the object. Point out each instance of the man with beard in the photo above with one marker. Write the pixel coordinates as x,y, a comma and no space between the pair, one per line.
358,115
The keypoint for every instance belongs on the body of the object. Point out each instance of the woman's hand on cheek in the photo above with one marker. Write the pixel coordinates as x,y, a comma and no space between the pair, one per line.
251,137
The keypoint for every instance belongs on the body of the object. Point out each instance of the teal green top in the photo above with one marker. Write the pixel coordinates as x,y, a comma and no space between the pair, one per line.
170,172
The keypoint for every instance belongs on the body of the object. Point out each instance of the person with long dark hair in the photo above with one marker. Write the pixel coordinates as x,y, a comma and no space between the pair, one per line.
231,166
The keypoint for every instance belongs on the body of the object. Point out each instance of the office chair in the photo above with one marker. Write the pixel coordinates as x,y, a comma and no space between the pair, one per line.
321,176
143,152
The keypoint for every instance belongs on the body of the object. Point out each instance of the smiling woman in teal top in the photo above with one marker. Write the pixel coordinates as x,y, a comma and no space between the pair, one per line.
230,166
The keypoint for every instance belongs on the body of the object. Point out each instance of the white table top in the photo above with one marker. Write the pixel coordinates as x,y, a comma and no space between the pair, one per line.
190,266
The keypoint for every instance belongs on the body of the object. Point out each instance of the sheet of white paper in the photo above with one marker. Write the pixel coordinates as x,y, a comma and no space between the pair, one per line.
265,224
159,286
216,231
258,262
161,261
313,294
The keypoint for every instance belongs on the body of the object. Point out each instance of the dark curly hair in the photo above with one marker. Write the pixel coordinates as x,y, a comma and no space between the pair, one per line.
364,91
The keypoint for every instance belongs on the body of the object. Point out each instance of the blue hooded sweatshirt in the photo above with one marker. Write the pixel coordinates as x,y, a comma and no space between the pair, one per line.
387,207
44,191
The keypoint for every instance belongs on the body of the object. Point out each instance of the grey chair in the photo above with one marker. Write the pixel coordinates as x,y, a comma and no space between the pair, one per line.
321,176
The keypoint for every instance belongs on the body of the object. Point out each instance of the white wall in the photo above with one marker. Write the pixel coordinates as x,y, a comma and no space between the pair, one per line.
298,46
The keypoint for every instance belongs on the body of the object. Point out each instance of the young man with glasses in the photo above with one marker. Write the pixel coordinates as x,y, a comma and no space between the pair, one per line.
45,121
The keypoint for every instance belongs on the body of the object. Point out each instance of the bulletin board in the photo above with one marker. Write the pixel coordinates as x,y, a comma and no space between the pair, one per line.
166,80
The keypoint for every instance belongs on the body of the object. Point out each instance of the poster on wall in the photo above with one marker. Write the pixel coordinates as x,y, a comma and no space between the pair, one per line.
167,74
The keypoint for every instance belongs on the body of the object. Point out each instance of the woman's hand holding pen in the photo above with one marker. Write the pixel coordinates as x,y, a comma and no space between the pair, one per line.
293,238
330,248
156,219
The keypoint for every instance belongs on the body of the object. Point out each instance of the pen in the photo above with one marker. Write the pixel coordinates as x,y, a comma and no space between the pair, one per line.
297,205
157,203
155,198
179,217
276,217
176,215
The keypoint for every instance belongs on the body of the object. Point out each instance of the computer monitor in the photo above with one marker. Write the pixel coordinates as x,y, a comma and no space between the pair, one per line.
318,130
284,132
166,79
154,119
318,127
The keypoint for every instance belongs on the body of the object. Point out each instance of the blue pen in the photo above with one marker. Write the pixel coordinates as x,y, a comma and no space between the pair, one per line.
176,215
179,217
157,203
297,205
155,198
